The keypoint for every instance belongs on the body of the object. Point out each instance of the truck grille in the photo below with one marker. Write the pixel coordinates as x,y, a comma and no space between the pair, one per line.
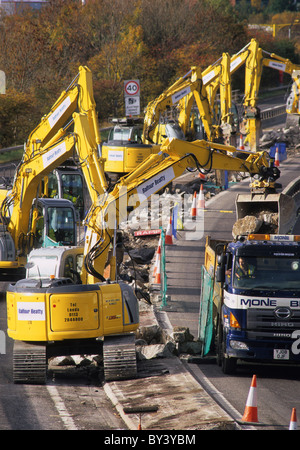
264,323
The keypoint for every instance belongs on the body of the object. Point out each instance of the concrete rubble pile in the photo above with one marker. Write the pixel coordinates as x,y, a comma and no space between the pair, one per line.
256,224
290,136
152,341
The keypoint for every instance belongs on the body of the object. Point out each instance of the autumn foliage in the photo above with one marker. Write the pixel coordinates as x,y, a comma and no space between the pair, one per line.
152,40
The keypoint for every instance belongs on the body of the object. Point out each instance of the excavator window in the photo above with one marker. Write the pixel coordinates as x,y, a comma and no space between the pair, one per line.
120,134
126,134
61,225
72,189
42,266
69,265
53,191
79,262
40,228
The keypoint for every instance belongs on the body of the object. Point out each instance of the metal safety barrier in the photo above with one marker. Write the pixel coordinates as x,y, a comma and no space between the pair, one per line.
273,112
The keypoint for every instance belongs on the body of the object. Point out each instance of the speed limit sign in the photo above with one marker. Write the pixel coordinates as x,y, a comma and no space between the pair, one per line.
131,88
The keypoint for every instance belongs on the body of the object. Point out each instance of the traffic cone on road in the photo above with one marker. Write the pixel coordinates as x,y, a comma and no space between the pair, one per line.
201,199
194,205
157,279
202,176
293,422
169,236
250,413
276,157
157,259
241,146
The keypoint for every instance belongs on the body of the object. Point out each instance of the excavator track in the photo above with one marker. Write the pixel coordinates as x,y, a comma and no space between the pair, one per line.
29,363
119,358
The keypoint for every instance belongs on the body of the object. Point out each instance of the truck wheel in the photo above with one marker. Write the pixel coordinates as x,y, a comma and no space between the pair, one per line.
228,364
219,347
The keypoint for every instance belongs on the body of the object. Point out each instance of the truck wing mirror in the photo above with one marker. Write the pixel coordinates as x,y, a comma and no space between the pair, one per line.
220,274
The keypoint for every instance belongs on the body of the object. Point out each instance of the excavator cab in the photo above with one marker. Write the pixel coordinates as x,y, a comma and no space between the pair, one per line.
124,149
53,222
66,183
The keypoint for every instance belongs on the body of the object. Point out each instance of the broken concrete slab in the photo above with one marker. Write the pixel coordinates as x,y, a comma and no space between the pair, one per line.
246,225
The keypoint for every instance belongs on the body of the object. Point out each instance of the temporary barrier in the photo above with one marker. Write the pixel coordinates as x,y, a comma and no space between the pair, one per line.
205,326
163,289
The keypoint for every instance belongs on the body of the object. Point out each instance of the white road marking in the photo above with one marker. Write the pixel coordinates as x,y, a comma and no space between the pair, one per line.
61,408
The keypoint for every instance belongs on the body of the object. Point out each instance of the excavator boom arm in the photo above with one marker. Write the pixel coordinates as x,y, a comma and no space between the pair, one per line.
148,178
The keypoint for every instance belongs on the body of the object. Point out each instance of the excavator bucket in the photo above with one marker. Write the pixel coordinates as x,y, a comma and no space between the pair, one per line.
268,208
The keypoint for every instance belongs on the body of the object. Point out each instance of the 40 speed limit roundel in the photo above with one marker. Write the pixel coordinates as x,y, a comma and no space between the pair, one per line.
131,87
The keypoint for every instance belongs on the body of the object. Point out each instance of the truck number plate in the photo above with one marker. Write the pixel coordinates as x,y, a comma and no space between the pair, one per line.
281,353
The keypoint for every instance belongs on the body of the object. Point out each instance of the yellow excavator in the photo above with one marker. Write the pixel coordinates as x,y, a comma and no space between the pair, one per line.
29,221
199,88
124,148
132,140
257,60
52,316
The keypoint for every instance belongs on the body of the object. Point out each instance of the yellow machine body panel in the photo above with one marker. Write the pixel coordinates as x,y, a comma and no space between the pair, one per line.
125,158
26,316
69,312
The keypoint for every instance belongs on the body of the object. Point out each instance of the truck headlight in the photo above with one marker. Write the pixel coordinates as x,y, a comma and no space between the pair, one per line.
238,345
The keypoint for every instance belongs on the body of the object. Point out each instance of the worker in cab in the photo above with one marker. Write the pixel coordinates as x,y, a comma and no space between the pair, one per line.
244,269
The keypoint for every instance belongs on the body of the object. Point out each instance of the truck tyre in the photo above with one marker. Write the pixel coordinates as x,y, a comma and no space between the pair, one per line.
219,346
228,364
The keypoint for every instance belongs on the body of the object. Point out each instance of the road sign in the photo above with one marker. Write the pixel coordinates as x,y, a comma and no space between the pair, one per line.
132,97
132,106
131,88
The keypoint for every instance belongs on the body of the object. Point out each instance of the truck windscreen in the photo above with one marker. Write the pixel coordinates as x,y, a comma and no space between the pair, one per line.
278,272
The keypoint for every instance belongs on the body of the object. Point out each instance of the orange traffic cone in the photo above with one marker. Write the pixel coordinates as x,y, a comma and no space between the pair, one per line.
293,422
277,157
250,413
157,279
140,424
194,205
202,176
201,199
157,260
169,237
241,146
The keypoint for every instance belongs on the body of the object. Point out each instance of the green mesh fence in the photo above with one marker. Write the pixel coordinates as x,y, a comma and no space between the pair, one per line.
164,281
205,315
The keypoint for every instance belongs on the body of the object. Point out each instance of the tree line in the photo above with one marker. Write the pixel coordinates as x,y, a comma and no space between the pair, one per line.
151,40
